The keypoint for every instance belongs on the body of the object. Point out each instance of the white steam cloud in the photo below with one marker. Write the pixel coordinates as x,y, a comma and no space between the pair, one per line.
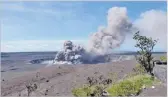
153,24
111,36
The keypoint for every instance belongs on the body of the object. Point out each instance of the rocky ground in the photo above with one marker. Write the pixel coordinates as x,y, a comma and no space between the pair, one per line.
160,72
158,91
60,80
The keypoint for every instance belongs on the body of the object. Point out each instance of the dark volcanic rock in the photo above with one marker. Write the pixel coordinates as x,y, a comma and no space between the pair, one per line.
3,71
38,61
160,71
14,68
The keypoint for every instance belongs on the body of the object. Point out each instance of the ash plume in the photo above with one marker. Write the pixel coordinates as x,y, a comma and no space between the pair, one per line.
113,35
71,54
101,43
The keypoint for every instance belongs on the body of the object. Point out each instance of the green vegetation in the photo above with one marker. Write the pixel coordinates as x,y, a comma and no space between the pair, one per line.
163,58
126,87
133,83
137,70
95,86
84,91
87,90
130,86
145,46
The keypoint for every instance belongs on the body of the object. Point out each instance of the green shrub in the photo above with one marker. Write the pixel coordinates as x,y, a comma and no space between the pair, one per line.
84,91
130,86
142,79
126,87
144,54
122,89
139,69
163,58
88,90
98,89
94,86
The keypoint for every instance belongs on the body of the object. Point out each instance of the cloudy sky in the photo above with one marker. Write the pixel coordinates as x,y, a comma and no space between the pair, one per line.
44,26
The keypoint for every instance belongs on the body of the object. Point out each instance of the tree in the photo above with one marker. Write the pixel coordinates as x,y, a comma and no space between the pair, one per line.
146,46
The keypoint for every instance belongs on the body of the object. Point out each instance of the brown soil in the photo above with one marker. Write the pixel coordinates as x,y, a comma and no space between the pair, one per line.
59,81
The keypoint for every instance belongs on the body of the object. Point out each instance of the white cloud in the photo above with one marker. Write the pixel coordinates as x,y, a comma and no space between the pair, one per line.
153,23
35,45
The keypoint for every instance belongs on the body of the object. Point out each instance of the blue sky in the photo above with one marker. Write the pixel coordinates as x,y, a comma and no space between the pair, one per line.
43,26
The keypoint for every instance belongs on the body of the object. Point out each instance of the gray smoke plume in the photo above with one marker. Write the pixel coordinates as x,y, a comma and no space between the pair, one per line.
107,38
70,55
113,35
100,43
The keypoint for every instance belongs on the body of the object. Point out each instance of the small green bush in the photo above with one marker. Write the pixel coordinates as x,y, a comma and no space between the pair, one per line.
94,86
88,90
139,69
130,86
122,89
84,91
163,58
98,89
143,79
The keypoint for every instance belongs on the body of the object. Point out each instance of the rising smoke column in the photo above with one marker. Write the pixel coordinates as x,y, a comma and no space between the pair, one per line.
113,35
71,54
151,23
